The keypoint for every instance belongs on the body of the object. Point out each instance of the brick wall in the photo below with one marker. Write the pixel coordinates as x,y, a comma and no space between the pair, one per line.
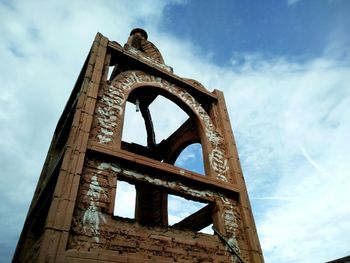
96,233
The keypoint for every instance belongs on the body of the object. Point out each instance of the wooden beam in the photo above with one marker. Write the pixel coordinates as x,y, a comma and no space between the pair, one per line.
163,170
197,221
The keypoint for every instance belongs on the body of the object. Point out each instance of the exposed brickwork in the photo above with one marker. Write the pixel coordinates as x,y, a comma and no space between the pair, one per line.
126,236
71,218
129,238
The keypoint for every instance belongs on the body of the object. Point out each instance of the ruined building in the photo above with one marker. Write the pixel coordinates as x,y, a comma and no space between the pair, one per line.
71,217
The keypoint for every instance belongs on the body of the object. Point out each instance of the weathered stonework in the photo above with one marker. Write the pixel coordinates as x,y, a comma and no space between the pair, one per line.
95,228
71,218
148,59
111,107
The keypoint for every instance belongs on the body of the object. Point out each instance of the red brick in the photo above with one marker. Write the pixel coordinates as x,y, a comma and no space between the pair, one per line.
78,221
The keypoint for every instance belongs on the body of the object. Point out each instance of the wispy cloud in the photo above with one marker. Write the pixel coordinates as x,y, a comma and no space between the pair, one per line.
274,105
42,48
312,162
270,198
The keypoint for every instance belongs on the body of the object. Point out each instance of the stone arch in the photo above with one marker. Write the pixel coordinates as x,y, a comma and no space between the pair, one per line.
111,114
145,96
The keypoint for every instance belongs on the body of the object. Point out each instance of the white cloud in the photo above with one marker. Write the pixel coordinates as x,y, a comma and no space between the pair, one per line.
125,200
185,157
165,122
134,127
277,108
176,208
42,48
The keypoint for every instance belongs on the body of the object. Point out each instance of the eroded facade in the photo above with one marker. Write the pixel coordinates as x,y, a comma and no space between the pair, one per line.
72,219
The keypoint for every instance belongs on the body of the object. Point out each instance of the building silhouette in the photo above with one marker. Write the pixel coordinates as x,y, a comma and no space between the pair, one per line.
72,214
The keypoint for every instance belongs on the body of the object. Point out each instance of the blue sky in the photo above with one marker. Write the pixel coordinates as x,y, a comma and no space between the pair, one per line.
283,66
298,31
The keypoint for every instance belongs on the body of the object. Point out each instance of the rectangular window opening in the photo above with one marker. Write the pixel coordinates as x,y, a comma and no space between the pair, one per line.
182,213
190,215
110,71
125,200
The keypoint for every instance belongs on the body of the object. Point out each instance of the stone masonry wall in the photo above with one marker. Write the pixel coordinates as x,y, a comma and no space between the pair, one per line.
94,228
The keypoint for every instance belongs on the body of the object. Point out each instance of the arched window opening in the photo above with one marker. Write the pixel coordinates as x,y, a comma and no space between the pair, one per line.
134,128
157,127
191,158
165,130
167,117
